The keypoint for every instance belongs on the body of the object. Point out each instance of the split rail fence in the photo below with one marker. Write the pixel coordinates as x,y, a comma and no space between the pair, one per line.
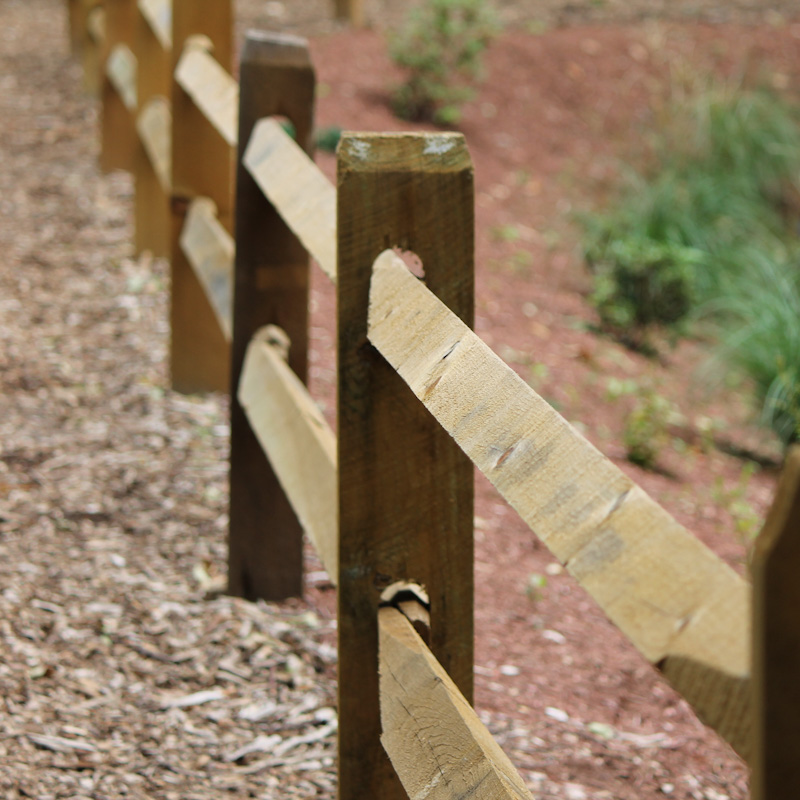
388,503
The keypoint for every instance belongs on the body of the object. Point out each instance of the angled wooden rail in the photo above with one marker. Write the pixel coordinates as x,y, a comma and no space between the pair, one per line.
210,250
296,438
211,87
121,71
295,185
682,607
158,15
432,735
154,126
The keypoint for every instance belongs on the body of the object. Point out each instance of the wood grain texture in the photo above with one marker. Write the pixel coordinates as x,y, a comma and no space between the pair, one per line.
271,288
210,250
683,608
202,166
295,185
406,491
774,772
213,90
118,87
298,441
436,743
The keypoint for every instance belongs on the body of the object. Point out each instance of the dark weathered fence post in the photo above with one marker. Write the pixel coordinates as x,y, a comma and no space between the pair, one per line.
405,489
774,770
202,165
271,287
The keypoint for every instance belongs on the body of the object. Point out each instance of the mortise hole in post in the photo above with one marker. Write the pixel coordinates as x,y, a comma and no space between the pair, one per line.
412,261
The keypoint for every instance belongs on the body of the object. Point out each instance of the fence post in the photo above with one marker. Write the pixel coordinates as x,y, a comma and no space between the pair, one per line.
117,128
775,755
351,10
78,12
151,201
405,489
271,287
202,165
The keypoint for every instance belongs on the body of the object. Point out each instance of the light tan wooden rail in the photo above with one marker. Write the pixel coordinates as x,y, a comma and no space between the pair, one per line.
294,184
212,89
437,745
121,71
154,125
295,436
210,249
684,609
158,15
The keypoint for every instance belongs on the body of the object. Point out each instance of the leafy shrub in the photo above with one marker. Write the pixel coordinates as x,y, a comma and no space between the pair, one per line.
640,282
440,47
711,232
645,432
759,328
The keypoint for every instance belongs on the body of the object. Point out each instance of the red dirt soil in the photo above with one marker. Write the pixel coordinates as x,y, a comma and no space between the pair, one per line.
551,127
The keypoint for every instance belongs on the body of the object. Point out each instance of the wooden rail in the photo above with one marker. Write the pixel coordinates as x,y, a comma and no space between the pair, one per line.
296,438
420,400
684,609
210,250
418,695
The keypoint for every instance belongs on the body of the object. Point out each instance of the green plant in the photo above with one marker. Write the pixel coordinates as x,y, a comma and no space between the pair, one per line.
645,432
747,521
440,47
759,329
722,180
641,281
327,139
534,590
709,232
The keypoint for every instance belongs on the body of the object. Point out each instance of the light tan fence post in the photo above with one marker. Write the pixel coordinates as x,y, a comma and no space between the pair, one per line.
202,165
117,68
152,196
94,47
351,10
405,489
775,759
271,287
78,13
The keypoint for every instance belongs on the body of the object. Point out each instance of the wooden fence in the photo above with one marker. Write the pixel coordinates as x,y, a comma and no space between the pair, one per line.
388,502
